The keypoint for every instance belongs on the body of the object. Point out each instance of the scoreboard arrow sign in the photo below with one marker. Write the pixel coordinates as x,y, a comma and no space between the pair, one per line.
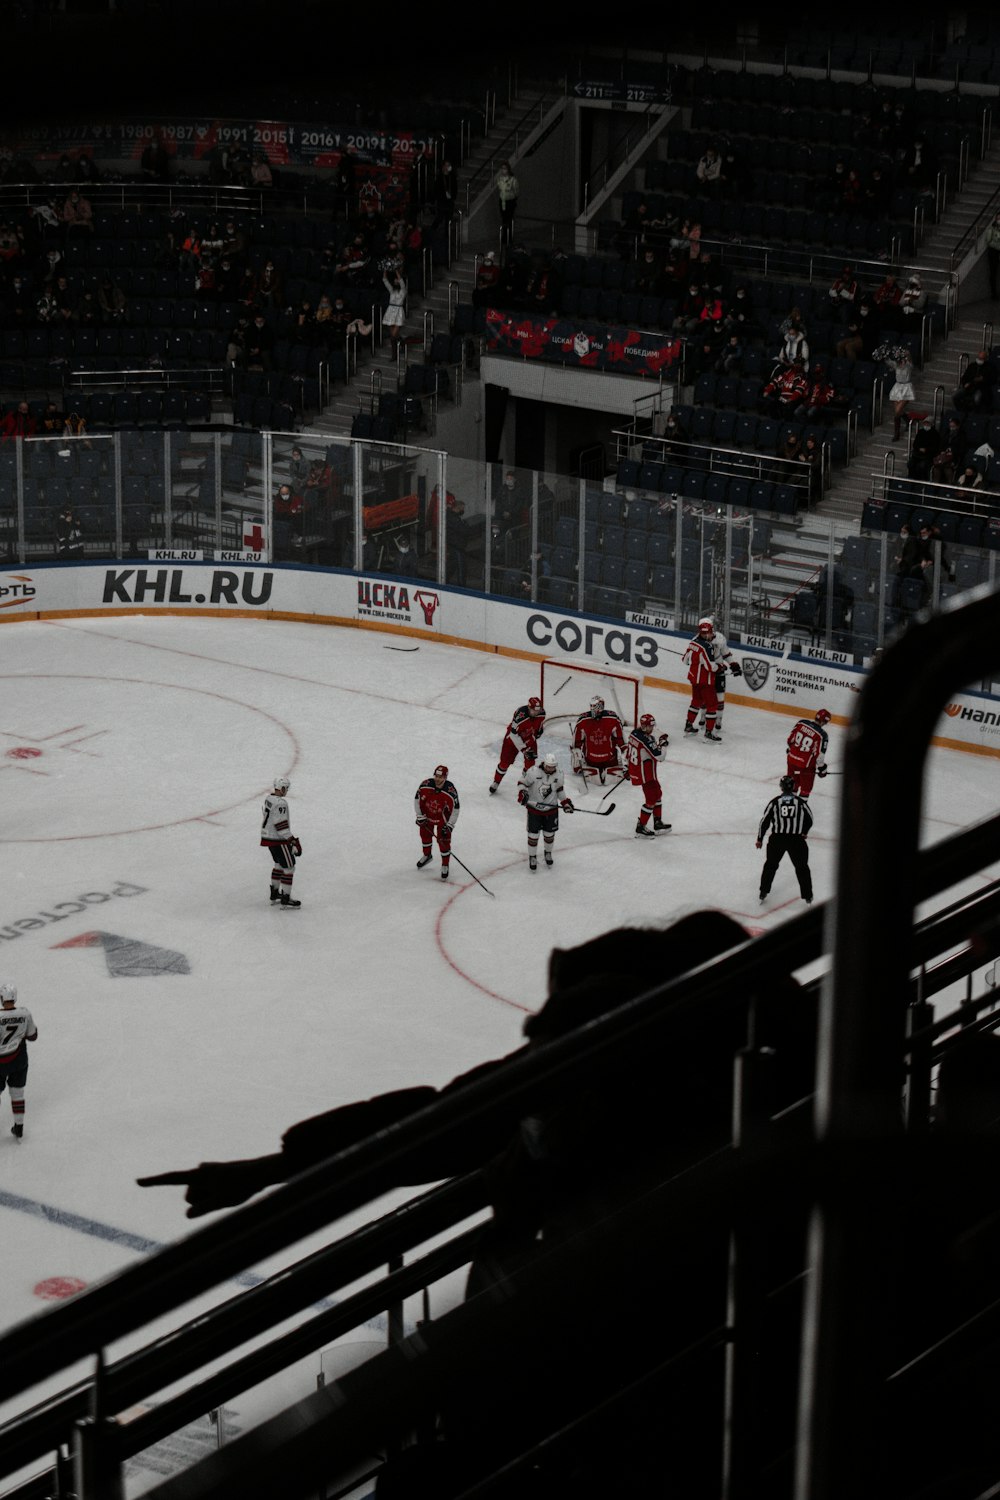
127,958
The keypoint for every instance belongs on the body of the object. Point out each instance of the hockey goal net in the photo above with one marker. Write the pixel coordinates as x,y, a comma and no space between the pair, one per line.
567,687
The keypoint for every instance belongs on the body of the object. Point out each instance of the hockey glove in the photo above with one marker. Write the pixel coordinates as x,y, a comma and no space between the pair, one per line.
522,797
736,669
423,822
297,846
821,770
567,805
663,741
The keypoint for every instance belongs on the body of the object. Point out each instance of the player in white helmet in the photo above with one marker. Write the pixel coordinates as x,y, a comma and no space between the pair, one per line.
276,836
17,1029
541,791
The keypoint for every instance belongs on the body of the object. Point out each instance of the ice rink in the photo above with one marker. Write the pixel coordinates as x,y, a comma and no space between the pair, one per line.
183,1018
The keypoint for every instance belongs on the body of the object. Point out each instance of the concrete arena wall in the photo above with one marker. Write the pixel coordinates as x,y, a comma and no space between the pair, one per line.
774,681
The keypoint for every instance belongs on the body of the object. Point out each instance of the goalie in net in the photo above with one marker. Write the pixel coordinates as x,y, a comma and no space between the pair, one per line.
598,741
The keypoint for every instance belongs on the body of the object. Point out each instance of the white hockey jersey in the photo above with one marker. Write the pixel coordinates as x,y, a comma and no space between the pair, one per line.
276,828
544,788
16,1026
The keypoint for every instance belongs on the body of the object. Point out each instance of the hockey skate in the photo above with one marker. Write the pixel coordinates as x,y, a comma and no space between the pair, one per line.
710,734
660,827
532,861
548,856
494,787
17,1131
275,894
762,897
424,859
289,903
444,873
690,729
643,832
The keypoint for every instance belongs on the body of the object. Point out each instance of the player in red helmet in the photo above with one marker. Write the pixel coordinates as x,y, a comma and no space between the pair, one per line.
645,750
701,675
436,807
521,738
807,745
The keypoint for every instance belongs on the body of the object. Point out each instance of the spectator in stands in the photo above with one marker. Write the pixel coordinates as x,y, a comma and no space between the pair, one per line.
993,254
870,333
821,404
77,213
950,460
260,173
445,196
510,506
920,166
259,343
52,421
507,194
876,194
69,534
930,550
18,423
709,171
458,536
927,444
649,273
688,319
811,454
795,346
852,196
75,427
885,300
485,292
975,391
735,178
970,478
844,290
790,448
730,360
355,262
675,436
912,300
269,287
87,311
111,300
19,303
740,316
155,160
786,390
907,559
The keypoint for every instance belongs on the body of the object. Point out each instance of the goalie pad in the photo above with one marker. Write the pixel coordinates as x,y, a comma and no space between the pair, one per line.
576,758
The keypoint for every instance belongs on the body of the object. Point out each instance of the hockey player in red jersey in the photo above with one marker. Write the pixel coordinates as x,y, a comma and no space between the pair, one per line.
725,662
807,751
598,741
521,738
436,807
276,836
701,676
644,751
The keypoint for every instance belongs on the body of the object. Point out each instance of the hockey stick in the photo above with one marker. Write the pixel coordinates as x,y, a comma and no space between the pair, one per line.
594,812
618,783
561,686
400,648
469,872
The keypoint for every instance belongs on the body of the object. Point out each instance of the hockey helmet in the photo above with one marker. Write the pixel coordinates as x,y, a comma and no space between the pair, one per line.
281,784
705,626
647,723
787,783
535,704
597,704
549,762
8,994
823,716
441,771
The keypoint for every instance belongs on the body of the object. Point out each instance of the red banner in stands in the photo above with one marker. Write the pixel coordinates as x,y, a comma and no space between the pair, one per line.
582,345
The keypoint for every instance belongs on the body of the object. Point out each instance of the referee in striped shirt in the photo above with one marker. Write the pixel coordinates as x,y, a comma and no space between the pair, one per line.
789,820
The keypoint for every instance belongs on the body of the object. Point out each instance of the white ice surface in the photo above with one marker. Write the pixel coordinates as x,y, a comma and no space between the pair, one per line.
156,740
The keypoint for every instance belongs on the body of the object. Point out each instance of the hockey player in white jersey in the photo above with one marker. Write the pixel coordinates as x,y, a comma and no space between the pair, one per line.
541,791
725,661
276,836
17,1029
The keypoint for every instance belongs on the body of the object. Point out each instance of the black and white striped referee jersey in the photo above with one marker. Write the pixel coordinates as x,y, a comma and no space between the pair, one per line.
786,814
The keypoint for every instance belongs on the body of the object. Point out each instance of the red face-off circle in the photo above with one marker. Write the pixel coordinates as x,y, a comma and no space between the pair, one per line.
23,752
55,1288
